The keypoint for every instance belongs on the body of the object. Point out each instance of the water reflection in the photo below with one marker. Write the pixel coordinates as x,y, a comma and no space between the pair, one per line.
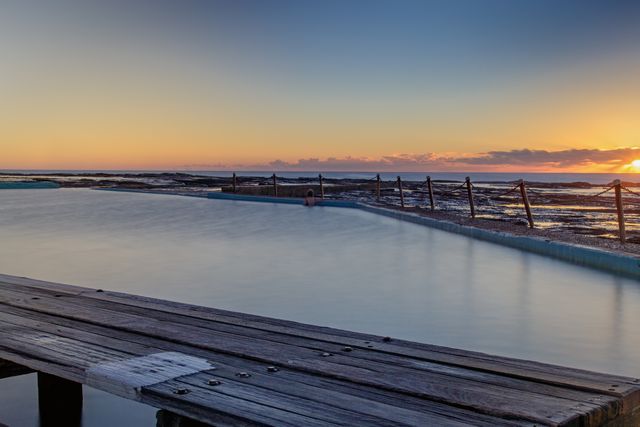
334,267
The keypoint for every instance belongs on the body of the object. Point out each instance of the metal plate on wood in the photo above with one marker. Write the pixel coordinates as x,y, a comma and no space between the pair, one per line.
146,370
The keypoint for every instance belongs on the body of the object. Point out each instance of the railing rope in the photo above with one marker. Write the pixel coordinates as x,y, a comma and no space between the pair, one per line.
458,191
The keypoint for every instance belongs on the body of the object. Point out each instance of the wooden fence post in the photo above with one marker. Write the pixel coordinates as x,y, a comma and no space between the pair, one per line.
430,189
401,195
470,195
378,187
619,208
525,200
275,185
233,182
321,186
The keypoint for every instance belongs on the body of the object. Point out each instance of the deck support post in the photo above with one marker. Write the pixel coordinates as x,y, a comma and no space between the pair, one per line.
169,419
430,189
275,185
234,182
321,186
10,369
470,195
59,401
623,235
401,194
378,187
525,200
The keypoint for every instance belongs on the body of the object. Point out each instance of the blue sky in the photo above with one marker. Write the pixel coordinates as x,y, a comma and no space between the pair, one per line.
222,80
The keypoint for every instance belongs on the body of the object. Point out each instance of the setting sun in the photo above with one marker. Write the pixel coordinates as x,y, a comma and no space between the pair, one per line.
636,164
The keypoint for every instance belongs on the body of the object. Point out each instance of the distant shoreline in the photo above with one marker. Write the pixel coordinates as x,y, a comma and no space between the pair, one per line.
486,177
561,210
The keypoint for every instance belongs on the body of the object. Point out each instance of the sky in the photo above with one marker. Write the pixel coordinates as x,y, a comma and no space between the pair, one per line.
376,85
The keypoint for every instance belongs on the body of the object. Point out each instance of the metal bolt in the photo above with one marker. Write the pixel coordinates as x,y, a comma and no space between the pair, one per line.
386,339
213,382
99,290
347,349
272,369
325,354
243,375
181,390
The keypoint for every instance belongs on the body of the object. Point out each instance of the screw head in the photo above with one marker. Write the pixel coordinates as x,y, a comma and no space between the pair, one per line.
325,354
347,349
181,390
214,382
386,339
243,375
272,369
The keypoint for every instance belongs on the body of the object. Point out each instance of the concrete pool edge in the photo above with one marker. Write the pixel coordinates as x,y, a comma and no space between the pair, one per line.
282,200
575,254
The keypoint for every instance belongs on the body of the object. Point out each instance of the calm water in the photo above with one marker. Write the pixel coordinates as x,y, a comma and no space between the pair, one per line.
329,266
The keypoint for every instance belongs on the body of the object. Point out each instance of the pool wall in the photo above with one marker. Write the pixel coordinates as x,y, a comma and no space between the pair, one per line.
576,254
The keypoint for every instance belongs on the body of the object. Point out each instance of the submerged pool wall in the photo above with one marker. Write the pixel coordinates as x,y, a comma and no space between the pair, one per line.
576,254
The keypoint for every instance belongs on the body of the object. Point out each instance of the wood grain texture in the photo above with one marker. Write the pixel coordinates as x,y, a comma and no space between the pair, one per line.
226,368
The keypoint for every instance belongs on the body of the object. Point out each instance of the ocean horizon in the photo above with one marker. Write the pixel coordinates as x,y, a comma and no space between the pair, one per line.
544,177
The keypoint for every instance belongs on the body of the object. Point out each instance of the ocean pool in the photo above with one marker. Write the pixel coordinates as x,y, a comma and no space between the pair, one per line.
337,267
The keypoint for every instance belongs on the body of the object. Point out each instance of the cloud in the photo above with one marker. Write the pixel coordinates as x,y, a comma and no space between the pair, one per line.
390,162
492,160
559,159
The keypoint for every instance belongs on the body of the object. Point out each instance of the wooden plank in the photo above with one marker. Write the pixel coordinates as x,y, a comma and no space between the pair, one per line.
535,371
296,381
67,349
483,397
390,359
379,382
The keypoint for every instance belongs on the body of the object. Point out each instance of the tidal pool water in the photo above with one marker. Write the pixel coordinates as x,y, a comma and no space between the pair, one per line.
330,266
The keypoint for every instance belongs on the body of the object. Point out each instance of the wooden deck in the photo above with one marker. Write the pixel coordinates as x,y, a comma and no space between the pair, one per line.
230,369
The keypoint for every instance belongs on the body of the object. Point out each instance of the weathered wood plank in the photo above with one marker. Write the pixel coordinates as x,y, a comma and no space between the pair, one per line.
535,371
297,381
96,337
482,397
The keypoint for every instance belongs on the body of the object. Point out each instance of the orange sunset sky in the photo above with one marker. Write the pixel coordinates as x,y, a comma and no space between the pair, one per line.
380,85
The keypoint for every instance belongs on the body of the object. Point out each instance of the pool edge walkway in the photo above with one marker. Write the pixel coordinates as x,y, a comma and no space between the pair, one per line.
229,368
